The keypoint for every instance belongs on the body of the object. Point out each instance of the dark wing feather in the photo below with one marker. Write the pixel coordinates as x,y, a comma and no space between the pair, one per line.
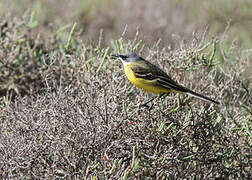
149,71
171,84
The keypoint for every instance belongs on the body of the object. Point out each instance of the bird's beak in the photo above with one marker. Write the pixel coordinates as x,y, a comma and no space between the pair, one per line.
115,56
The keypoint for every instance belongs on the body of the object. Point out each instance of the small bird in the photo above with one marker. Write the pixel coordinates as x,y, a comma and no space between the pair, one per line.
151,78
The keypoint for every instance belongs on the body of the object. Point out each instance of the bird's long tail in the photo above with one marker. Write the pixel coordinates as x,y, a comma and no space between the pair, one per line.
194,94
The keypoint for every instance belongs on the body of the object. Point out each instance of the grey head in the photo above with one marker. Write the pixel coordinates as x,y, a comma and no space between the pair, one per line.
127,57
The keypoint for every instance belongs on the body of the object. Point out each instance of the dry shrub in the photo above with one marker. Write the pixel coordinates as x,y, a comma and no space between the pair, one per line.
84,121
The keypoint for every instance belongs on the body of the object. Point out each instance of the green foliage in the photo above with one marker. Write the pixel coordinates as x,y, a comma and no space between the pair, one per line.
21,57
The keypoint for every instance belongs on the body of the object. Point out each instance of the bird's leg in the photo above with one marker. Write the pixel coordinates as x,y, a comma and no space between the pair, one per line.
146,102
150,107
161,95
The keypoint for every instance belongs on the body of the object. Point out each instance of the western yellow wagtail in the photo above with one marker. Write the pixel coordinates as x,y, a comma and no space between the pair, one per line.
151,78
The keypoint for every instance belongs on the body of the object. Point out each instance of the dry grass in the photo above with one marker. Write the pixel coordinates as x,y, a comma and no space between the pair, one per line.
71,113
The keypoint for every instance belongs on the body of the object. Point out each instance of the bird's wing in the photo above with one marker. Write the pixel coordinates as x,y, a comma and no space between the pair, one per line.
168,83
149,71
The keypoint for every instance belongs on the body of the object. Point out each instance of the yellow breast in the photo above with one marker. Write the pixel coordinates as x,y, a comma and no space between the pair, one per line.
151,86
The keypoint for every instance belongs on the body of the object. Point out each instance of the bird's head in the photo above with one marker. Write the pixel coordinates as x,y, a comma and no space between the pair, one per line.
127,57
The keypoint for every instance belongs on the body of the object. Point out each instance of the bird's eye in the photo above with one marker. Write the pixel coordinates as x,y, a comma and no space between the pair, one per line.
123,56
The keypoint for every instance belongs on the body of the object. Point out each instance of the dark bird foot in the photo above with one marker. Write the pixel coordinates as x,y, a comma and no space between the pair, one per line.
147,106
150,100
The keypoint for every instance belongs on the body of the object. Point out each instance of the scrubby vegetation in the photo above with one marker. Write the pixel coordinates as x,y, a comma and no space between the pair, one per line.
68,111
